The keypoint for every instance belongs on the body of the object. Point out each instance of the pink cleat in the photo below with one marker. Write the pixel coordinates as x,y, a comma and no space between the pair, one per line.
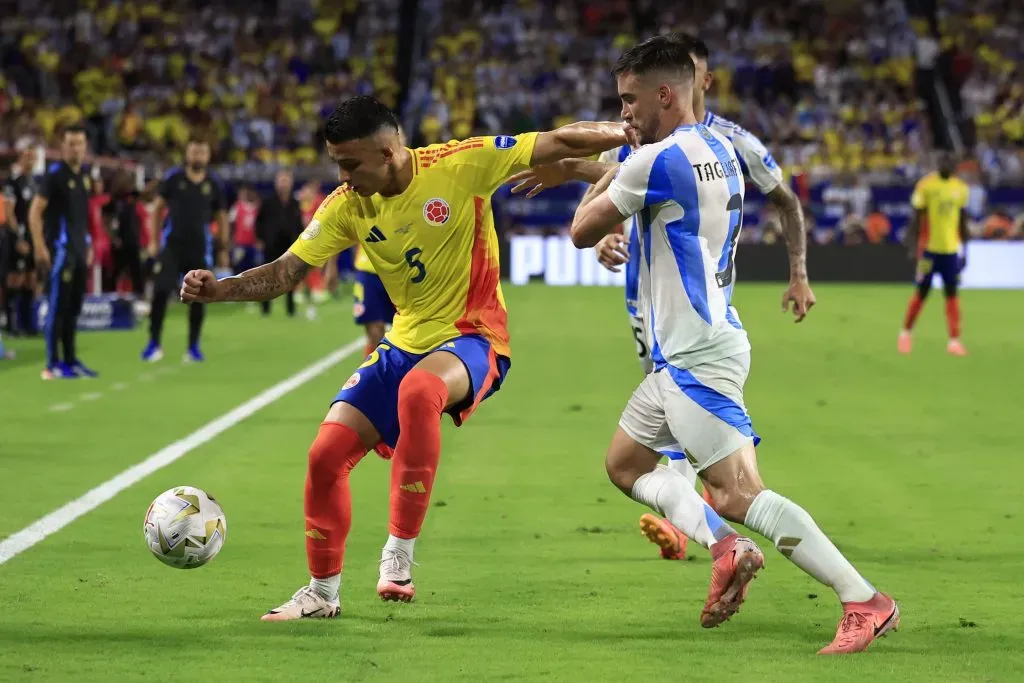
395,582
905,343
862,622
663,534
956,348
736,562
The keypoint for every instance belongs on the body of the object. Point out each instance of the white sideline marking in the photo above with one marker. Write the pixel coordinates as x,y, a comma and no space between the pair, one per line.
118,386
61,407
58,519
91,397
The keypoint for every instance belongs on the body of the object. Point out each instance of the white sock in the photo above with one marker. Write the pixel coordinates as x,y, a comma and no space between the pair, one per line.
404,545
327,588
667,492
683,467
797,537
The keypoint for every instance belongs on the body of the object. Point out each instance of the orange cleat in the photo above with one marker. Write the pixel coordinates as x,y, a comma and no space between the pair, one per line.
956,348
663,534
862,622
905,343
736,562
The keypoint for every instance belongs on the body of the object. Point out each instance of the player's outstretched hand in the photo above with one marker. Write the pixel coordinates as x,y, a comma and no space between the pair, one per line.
199,286
612,251
800,295
535,180
632,137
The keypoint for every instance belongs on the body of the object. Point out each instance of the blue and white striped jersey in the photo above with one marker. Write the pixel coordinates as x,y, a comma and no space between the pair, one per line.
687,193
757,165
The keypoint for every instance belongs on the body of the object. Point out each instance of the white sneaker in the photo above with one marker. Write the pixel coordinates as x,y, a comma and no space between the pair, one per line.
395,577
305,604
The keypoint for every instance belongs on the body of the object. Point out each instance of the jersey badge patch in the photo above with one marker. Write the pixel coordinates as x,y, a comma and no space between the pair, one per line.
436,211
312,230
505,142
703,131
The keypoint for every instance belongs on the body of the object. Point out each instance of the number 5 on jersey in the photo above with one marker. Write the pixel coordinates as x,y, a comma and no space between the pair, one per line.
412,258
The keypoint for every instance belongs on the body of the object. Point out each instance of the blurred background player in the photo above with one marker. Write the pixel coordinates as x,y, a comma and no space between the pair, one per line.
20,266
59,221
193,200
371,306
622,247
278,225
449,349
246,247
941,199
123,224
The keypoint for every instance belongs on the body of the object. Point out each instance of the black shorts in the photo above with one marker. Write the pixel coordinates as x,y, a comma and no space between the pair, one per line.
173,263
17,263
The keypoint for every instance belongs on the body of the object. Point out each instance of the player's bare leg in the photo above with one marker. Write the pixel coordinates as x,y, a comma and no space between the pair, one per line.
344,438
634,469
437,383
374,334
740,496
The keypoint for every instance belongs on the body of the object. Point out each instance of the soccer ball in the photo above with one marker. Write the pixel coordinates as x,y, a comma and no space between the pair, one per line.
185,527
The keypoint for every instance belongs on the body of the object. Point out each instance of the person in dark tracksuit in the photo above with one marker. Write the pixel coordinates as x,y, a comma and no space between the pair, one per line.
19,265
278,224
122,218
58,219
193,200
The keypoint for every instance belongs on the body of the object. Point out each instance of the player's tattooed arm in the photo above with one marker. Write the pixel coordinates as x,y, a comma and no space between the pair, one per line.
791,216
582,139
264,282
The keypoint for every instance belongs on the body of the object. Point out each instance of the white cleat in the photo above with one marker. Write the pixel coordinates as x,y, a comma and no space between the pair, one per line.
305,604
395,582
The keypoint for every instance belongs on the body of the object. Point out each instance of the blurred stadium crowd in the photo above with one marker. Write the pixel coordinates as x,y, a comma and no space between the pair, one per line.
852,93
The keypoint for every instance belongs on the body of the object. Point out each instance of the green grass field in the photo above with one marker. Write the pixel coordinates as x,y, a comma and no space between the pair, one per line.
531,564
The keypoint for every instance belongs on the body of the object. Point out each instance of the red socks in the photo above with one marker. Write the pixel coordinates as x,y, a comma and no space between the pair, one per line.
421,400
913,310
328,503
953,317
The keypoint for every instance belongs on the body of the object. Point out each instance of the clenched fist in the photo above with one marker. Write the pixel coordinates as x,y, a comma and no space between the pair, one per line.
199,286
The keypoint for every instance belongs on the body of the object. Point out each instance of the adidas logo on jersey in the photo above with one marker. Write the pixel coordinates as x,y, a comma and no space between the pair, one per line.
376,236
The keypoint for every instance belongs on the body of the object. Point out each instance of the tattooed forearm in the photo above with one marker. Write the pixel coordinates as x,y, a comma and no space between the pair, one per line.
265,282
791,217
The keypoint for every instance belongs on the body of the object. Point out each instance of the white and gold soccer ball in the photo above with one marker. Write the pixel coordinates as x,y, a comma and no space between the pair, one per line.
185,527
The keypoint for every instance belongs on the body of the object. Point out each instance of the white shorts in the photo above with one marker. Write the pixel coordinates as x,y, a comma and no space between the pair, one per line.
701,407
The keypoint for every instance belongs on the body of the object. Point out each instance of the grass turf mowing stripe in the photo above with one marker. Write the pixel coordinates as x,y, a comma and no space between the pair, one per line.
34,533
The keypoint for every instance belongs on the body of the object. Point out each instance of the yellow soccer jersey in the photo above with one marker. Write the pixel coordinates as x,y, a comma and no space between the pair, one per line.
362,261
942,201
433,246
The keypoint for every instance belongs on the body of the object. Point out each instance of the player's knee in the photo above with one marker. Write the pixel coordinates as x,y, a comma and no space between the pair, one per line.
733,501
335,451
421,391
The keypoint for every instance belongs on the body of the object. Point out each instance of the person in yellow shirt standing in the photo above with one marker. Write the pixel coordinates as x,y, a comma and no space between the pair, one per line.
940,198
